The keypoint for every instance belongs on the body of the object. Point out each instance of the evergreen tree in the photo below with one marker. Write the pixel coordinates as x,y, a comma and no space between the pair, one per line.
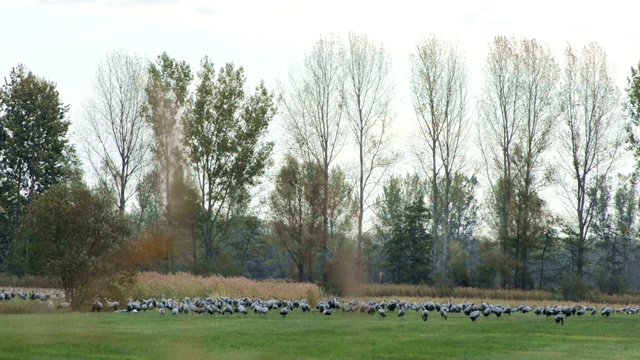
402,222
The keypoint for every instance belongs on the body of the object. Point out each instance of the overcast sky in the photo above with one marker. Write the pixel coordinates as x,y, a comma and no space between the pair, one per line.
64,40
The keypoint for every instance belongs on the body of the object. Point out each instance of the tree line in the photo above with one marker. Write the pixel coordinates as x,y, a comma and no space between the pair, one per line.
517,188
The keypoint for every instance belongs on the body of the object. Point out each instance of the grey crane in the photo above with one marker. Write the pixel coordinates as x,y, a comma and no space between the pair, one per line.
305,307
498,310
402,311
193,308
96,306
327,312
284,311
227,309
262,310
112,305
443,313
474,315
241,309
425,314
382,313
559,319
371,310
64,305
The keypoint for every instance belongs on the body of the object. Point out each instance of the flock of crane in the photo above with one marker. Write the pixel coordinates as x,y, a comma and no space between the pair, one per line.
327,307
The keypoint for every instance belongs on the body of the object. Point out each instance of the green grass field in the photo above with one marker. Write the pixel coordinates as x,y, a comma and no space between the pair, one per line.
314,336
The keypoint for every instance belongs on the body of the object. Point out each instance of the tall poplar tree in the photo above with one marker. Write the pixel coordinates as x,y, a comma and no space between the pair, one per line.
223,135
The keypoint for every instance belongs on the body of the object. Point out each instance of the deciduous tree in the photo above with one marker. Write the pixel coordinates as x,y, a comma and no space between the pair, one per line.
368,92
296,214
518,112
75,234
116,140
439,93
167,94
632,107
34,149
313,110
591,140
223,135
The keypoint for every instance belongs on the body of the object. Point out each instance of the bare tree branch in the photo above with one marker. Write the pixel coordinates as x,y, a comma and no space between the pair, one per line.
116,142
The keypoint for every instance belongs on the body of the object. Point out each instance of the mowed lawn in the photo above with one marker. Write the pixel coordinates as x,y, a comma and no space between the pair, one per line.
315,336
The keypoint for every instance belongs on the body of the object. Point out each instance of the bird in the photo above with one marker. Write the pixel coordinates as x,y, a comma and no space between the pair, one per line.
382,313
161,311
559,319
64,305
227,309
443,313
174,311
606,311
51,305
498,311
305,307
371,310
112,305
193,308
425,314
284,311
96,306
401,312
474,315
327,312
262,310
241,309
133,305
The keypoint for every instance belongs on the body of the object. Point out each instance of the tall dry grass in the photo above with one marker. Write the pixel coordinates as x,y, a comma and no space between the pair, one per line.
180,285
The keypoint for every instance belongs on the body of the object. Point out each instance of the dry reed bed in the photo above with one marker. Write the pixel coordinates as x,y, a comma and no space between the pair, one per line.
180,285
151,284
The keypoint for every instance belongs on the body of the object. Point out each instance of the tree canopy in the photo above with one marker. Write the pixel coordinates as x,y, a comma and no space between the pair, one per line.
34,148
75,234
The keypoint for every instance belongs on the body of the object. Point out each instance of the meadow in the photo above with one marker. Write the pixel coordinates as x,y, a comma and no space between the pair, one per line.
29,330
147,335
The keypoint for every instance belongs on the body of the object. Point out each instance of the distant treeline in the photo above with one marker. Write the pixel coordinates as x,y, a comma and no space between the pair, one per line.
515,189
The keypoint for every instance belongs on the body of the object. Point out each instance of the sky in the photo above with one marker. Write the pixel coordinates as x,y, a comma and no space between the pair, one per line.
65,40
